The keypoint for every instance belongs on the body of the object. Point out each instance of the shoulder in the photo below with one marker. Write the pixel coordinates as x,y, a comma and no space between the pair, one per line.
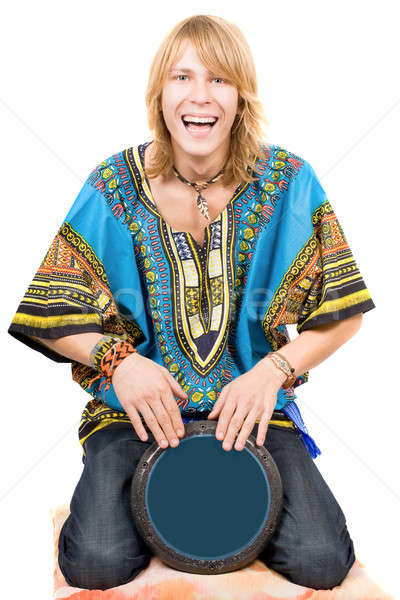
278,162
289,177
106,175
111,177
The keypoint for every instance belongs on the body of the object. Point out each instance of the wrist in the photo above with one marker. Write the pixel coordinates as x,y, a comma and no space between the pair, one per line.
126,361
271,370
108,353
281,363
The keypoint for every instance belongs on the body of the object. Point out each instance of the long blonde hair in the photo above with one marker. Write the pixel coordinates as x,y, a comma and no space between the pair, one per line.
222,48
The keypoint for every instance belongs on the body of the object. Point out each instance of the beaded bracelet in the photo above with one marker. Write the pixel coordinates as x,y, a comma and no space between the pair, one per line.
282,363
105,357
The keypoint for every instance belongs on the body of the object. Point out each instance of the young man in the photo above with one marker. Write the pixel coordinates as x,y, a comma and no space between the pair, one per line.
174,275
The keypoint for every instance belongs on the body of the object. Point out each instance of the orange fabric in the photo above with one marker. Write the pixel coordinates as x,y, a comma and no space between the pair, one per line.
255,582
110,360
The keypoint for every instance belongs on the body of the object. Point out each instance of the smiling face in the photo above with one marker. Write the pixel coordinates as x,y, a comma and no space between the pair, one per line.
191,91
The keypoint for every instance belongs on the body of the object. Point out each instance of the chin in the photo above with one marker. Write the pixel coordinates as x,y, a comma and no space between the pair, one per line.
197,147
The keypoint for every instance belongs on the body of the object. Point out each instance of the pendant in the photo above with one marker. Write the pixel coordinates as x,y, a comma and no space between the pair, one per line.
202,204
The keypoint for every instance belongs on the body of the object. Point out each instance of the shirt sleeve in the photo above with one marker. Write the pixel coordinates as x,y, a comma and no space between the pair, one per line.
70,292
331,287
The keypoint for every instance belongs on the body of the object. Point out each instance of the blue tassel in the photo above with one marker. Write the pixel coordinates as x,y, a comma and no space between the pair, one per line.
309,443
292,411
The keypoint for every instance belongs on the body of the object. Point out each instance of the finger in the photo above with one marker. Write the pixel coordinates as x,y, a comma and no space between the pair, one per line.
153,424
174,413
263,427
229,424
161,407
136,422
174,384
218,405
246,430
233,430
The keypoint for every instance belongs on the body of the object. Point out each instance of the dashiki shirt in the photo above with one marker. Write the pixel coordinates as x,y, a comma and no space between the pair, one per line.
276,255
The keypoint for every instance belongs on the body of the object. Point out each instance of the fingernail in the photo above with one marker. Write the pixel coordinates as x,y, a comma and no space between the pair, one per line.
180,432
174,442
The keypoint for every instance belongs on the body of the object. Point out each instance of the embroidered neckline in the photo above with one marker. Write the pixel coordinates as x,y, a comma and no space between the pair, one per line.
240,189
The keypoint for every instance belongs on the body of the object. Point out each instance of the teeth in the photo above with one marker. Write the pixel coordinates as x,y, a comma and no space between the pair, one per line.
199,119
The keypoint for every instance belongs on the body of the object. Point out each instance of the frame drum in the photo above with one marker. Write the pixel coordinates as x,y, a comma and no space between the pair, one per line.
202,509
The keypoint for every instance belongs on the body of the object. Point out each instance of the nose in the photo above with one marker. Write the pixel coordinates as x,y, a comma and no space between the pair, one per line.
199,91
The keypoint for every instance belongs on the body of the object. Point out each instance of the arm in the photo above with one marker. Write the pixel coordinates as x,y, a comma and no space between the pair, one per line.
76,347
313,346
310,348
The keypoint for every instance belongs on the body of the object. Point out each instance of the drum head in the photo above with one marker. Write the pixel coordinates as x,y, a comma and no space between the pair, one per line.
202,509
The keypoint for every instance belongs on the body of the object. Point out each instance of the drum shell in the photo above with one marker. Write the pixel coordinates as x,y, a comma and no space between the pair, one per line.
180,561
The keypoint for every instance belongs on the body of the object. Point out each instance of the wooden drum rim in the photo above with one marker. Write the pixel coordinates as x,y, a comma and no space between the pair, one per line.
189,564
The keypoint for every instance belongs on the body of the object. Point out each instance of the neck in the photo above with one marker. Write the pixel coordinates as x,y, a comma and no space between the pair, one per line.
197,168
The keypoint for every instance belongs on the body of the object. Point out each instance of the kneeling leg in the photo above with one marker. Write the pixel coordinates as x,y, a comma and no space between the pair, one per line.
311,545
99,545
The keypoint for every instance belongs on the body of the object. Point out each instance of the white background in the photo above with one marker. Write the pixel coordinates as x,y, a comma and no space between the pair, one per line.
72,94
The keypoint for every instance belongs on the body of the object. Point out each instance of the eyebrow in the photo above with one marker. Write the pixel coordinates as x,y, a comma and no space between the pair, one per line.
184,70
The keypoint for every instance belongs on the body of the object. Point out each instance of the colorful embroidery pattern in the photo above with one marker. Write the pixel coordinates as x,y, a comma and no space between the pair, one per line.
276,255
322,283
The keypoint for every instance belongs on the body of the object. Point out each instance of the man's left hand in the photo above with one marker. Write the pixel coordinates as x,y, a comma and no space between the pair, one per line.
248,398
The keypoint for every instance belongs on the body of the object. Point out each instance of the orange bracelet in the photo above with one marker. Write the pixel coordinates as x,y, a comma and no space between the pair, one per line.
106,359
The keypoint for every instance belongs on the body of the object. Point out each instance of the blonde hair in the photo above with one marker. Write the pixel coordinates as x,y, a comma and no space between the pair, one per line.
222,48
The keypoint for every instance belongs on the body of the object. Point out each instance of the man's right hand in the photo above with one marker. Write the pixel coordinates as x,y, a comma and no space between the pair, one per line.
142,384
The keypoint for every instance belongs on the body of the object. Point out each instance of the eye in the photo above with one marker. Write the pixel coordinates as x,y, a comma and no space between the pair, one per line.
180,76
220,78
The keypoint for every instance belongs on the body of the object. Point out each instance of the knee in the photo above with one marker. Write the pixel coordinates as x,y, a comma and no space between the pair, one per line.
95,567
322,567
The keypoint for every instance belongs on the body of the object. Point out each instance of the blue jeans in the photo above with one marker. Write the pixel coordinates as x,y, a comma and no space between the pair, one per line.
100,547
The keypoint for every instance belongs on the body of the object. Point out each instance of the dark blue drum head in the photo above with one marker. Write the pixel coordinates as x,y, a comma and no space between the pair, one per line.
202,509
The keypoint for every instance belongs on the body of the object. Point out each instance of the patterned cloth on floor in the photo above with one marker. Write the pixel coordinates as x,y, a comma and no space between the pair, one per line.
254,582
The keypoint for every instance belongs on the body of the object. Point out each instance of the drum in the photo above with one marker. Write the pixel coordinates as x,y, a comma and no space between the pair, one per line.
202,509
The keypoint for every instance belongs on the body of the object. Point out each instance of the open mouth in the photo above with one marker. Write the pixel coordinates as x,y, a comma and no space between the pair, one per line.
203,125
